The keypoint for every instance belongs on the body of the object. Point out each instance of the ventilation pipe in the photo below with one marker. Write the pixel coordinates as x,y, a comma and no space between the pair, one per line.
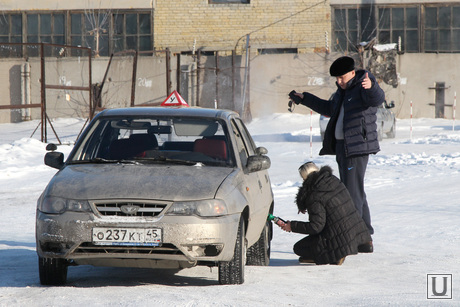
25,90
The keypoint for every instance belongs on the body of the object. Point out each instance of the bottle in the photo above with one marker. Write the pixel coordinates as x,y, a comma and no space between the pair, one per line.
277,220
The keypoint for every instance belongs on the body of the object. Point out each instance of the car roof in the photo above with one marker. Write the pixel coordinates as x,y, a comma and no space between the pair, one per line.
169,111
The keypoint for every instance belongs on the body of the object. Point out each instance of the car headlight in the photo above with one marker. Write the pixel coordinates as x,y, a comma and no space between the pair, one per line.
57,205
209,207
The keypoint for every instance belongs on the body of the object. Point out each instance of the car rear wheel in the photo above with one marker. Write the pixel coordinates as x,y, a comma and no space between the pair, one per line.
232,272
52,271
259,253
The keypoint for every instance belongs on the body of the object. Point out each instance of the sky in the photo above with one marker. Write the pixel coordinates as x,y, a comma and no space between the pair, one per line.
412,187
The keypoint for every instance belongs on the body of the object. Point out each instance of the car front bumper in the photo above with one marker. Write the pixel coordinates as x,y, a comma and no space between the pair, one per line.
186,240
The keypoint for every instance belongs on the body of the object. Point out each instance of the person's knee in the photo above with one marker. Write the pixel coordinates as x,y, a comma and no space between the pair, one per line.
296,248
303,247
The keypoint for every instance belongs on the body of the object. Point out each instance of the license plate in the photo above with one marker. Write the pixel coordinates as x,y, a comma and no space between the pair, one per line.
127,236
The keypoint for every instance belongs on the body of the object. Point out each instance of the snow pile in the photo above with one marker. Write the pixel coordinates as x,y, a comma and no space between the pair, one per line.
385,47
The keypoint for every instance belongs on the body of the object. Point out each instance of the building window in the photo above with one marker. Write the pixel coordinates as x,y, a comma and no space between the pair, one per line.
353,26
103,31
228,1
415,28
399,25
277,50
11,32
442,29
132,32
90,29
45,28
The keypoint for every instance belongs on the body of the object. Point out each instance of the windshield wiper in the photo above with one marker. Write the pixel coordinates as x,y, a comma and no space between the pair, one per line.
169,160
102,161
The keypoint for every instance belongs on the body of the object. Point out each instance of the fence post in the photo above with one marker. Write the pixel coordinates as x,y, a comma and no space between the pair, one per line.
411,119
455,104
43,94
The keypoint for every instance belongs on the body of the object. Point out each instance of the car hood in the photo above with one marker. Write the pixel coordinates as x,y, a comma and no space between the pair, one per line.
159,182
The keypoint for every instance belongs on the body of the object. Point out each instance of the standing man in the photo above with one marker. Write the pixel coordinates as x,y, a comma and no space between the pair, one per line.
351,134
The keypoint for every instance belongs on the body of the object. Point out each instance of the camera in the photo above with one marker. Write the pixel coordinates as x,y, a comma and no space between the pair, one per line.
290,108
293,99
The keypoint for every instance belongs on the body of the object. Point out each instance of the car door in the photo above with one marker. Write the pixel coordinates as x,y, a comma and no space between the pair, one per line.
258,183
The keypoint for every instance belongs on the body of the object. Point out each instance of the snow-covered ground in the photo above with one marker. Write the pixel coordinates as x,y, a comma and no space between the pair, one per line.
413,192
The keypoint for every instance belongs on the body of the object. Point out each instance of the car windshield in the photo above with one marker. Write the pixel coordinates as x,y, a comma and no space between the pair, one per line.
155,140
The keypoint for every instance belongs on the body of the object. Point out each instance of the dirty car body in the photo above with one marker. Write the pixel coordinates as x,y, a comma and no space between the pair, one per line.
157,188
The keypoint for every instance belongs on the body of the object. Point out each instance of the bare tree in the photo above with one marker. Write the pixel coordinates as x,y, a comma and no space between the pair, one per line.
97,25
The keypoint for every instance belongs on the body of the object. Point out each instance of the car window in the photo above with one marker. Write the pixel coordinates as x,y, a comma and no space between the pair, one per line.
155,140
247,139
242,151
244,142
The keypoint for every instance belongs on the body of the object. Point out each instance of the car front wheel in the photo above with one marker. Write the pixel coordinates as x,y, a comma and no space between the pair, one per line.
392,133
53,272
380,132
232,272
259,253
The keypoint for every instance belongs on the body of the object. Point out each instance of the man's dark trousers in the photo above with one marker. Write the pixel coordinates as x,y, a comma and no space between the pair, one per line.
352,171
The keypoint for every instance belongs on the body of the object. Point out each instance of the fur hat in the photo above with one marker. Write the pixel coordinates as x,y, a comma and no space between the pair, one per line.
307,168
341,66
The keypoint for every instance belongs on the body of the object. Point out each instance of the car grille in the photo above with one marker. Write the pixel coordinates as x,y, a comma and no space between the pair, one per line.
124,208
164,249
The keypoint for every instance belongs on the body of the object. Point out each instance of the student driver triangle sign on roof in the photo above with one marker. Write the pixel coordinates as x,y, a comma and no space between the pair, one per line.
174,100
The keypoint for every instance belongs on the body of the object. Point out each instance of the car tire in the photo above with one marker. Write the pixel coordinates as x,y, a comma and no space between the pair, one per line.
392,133
259,253
52,271
232,272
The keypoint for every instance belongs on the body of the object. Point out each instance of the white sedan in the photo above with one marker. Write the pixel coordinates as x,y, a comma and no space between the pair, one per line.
157,188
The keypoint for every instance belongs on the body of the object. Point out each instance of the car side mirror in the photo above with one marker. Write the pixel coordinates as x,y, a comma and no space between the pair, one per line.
389,105
51,147
54,159
258,163
261,151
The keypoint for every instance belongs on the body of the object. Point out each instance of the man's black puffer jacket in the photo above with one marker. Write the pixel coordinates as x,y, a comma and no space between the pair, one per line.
359,121
334,222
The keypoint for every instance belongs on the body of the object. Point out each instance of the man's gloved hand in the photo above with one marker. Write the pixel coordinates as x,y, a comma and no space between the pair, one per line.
294,97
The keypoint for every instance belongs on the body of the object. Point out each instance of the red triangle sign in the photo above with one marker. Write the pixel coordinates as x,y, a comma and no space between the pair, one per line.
174,100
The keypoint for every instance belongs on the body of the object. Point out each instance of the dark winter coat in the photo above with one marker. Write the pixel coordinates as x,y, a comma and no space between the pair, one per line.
334,223
360,116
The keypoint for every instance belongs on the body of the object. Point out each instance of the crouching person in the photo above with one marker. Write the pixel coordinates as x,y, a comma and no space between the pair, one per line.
335,228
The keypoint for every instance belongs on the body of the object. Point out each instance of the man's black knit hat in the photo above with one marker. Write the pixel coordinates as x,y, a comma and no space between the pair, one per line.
341,66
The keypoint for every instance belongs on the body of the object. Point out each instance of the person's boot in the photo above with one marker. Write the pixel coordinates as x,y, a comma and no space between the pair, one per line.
340,261
366,247
306,260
